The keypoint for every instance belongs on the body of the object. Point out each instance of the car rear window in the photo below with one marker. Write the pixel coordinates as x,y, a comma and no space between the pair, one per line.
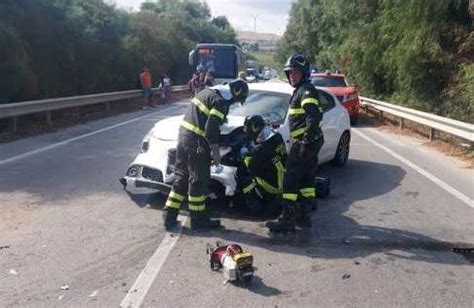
272,106
322,81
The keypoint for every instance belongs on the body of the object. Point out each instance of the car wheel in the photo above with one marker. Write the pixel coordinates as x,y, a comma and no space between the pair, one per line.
354,120
342,153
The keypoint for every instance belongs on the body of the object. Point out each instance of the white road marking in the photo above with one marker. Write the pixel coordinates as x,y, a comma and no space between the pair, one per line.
456,193
55,145
139,289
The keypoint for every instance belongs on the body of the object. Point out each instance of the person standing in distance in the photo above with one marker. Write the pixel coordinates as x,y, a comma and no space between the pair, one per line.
145,81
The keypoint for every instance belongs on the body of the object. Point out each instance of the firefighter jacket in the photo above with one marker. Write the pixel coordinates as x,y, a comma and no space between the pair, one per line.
266,163
305,113
204,117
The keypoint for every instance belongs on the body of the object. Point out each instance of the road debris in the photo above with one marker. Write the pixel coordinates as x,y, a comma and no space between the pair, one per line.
347,241
356,262
346,276
4,247
13,272
60,297
65,287
93,294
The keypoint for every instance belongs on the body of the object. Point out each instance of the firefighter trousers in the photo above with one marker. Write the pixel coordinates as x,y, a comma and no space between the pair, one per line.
298,181
192,176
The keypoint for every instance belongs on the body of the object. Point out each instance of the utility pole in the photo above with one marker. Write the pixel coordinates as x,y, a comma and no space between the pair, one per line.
255,26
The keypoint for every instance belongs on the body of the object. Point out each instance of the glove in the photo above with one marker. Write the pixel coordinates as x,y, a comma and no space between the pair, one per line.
244,151
215,154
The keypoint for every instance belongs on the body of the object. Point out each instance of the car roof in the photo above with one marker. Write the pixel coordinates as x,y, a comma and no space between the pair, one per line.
327,75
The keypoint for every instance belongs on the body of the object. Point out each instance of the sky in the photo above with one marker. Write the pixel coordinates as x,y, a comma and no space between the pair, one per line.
272,15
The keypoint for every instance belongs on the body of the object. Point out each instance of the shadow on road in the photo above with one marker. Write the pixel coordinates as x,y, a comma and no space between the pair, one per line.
259,287
335,234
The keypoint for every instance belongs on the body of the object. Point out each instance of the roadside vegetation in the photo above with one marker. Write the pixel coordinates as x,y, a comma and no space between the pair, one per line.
416,53
264,58
57,48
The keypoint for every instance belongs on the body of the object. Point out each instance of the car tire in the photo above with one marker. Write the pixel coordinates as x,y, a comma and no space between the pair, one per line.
342,152
354,120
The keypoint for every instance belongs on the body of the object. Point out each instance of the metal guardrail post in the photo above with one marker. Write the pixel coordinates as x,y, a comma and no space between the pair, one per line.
49,118
13,125
77,112
401,124
108,108
432,134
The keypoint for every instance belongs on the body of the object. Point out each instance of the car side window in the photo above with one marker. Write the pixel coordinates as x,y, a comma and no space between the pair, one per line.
326,100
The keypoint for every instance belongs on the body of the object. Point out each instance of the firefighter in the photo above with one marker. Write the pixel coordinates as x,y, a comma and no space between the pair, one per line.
305,114
262,180
198,143
209,79
197,83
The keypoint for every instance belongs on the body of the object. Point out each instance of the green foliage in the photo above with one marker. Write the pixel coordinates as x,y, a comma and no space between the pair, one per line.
264,58
413,51
54,48
459,98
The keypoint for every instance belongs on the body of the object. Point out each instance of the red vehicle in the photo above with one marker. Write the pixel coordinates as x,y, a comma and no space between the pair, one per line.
337,85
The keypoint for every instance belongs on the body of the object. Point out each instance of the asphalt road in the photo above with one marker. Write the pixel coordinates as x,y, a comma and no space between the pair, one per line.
384,238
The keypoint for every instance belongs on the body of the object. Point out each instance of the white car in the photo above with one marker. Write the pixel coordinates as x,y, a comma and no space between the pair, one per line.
267,74
152,169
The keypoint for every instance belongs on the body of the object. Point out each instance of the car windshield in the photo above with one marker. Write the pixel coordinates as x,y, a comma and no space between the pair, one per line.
272,106
323,81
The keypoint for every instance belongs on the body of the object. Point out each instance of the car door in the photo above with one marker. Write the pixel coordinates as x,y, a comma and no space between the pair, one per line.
329,126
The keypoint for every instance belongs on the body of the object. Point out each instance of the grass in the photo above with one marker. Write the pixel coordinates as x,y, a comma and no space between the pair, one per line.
264,58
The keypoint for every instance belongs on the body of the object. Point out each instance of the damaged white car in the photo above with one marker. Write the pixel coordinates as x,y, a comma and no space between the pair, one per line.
152,170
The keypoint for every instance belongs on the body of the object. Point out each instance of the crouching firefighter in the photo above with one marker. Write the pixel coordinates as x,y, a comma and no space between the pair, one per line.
265,158
305,114
198,141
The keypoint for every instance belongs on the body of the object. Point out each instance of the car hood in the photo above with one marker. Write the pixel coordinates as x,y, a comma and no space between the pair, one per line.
341,90
168,129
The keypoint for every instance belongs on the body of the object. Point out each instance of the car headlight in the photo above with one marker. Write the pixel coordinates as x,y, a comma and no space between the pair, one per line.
133,171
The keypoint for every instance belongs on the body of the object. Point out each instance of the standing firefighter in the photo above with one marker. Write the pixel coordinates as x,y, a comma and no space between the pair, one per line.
198,142
305,115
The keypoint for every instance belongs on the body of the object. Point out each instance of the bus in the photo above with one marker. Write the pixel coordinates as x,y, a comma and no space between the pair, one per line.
226,60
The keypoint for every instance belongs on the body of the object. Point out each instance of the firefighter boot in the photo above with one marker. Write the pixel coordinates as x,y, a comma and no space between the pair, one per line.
170,217
201,220
272,207
286,221
304,218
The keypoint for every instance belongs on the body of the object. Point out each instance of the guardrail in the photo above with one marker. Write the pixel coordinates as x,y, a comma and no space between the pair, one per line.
15,110
434,122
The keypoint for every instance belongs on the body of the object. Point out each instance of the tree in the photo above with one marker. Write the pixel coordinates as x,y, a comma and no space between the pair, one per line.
53,48
408,51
